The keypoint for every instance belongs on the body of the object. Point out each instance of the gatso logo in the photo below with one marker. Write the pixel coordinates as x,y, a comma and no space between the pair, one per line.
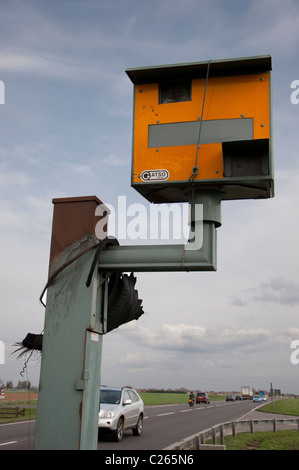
154,175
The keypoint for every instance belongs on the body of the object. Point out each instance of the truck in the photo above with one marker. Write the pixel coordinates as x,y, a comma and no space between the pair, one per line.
246,392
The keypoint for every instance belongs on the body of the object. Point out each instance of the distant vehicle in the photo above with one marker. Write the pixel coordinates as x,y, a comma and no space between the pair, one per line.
202,398
246,392
230,398
239,397
191,401
120,409
257,399
263,396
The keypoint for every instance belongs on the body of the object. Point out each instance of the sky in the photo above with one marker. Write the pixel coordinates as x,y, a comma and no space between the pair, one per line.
66,130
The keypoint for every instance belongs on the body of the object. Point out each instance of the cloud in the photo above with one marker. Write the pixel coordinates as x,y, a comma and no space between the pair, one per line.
278,290
13,178
196,339
33,64
238,302
112,159
268,17
221,355
287,335
84,170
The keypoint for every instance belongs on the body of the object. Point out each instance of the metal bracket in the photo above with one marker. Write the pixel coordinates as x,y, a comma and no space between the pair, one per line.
200,255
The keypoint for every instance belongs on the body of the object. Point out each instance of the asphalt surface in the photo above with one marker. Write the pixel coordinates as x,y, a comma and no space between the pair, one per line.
253,421
163,426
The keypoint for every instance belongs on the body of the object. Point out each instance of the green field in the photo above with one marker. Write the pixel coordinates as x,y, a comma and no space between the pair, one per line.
152,398
149,398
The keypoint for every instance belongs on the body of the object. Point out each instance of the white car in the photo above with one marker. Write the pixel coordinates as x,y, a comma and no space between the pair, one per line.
257,399
120,409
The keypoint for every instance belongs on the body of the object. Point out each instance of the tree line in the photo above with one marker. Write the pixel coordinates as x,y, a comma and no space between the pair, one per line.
22,385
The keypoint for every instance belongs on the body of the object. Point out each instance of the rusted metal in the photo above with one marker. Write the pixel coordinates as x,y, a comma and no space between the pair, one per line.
73,228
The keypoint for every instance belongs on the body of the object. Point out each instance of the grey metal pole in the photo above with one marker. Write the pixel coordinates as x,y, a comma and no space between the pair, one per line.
67,414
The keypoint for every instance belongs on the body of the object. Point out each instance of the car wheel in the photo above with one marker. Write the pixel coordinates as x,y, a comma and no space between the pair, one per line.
139,427
119,430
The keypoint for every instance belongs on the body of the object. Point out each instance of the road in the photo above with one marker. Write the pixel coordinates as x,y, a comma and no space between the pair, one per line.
17,436
163,426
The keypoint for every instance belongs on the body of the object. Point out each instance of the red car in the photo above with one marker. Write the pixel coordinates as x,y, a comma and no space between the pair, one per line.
202,398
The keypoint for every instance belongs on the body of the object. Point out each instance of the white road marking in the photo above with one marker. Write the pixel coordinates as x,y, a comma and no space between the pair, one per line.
7,443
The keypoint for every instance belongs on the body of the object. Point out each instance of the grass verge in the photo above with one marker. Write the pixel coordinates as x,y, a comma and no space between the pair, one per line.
268,440
287,406
280,440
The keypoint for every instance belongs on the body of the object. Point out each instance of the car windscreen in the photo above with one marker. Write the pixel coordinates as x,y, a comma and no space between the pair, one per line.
110,396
